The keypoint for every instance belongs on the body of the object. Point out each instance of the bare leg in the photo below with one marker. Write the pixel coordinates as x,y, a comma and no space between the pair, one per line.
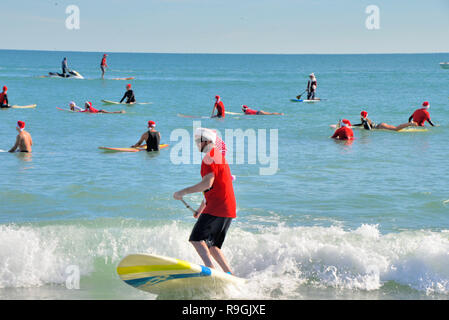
390,127
220,258
264,113
204,253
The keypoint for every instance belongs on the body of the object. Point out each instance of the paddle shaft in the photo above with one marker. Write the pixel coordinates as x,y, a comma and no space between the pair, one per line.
188,206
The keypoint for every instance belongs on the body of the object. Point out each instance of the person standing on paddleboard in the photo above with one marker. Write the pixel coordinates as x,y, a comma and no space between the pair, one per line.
420,116
152,138
311,87
4,103
103,65
23,140
219,105
345,132
65,67
129,95
218,208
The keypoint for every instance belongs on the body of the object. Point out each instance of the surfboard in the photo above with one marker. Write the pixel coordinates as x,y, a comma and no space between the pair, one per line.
66,110
193,117
129,78
306,101
163,275
25,107
234,113
127,104
141,148
408,129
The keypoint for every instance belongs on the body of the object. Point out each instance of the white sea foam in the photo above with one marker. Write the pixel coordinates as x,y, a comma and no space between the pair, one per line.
278,261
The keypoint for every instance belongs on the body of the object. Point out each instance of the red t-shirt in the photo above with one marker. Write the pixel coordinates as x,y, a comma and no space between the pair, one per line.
344,133
420,116
2,98
103,61
91,110
220,108
251,111
220,199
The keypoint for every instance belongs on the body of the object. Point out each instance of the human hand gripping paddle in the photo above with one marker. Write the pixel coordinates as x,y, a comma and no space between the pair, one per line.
299,96
178,196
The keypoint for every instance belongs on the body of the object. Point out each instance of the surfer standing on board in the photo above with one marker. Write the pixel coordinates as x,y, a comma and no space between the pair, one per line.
218,208
311,87
23,140
422,115
220,108
103,65
129,95
152,138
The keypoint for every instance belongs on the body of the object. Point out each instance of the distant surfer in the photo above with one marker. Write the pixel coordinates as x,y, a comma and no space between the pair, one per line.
420,116
65,67
344,132
218,208
90,109
74,107
368,124
103,65
129,95
311,87
4,103
23,139
219,105
152,138
249,111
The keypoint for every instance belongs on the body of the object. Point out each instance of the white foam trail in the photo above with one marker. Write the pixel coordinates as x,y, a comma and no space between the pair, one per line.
278,261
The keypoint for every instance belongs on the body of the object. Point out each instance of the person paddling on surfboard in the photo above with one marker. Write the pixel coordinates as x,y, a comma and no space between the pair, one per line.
129,95
4,103
218,208
344,132
23,139
74,107
152,138
103,65
311,87
249,111
420,116
90,109
369,125
219,105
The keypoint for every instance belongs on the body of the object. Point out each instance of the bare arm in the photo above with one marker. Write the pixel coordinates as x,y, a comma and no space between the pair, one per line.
205,184
213,110
142,139
15,146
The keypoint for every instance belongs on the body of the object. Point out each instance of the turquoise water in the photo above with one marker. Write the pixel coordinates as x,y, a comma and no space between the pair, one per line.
367,220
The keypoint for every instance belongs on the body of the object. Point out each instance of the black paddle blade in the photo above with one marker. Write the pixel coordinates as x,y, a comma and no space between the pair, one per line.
298,97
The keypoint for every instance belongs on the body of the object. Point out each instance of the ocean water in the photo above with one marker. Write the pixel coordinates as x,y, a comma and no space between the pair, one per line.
365,220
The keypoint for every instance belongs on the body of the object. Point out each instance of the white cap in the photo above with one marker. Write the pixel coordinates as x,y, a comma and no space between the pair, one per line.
206,134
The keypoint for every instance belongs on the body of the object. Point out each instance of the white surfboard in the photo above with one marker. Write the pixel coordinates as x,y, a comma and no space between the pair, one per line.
163,275
31,106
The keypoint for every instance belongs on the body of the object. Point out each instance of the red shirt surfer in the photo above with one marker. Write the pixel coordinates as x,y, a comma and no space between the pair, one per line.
4,103
217,210
103,65
219,105
345,132
422,115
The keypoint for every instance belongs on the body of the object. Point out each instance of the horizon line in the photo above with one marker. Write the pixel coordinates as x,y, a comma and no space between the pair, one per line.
230,53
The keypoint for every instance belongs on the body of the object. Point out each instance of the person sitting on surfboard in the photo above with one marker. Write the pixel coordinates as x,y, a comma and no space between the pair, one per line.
420,116
369,125
311,87
219,105
103,65
249,111
74,107
218,208
4,103
90,109
129,95
344,132
152,138
23,140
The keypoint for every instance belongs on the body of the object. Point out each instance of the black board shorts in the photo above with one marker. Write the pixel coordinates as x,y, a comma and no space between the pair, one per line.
210,229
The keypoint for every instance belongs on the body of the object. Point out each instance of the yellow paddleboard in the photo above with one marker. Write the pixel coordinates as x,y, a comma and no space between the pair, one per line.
163,275
24,107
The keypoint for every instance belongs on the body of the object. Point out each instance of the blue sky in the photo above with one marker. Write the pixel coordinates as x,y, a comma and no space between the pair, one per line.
227,26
